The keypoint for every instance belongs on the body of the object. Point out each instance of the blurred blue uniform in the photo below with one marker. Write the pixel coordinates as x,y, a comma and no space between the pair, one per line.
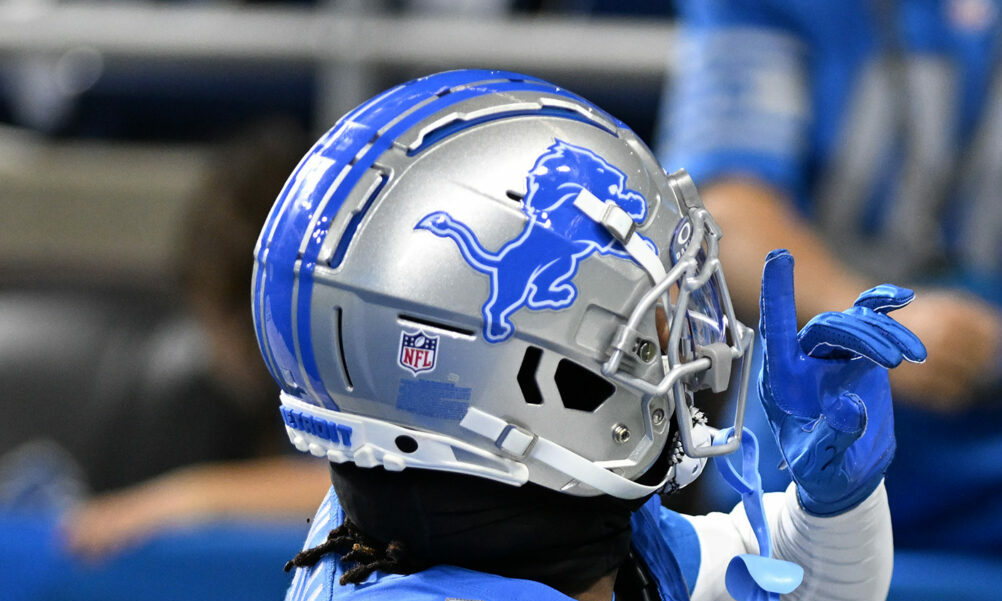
658,534
882,120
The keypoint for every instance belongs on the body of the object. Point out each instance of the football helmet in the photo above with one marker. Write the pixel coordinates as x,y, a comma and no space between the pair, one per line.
468,273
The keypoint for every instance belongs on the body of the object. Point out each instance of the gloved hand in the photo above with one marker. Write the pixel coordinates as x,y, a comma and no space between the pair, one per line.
826,392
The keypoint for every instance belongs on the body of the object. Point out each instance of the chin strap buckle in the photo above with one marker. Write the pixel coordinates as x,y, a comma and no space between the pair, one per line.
516,442
622,227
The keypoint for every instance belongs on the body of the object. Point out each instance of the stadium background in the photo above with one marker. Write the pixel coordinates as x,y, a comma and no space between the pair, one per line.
110,114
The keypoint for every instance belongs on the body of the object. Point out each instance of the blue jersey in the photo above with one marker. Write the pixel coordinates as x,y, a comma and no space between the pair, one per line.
658,535
882,120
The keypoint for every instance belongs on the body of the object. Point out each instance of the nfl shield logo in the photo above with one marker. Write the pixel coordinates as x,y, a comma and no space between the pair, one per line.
418,351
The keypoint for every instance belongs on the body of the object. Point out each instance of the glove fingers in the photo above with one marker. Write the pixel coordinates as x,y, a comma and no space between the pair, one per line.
885,298
833,335
778,317
908,343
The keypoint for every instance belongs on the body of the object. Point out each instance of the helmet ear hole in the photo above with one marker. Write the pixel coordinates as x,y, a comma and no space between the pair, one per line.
406,444
580,388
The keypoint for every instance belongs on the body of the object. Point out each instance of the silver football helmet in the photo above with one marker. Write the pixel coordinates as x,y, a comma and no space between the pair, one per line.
468,273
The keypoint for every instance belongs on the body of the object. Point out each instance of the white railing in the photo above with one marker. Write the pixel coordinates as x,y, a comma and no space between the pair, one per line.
591,46
348,50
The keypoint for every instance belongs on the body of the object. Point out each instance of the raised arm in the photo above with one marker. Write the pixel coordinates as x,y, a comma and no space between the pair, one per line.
827,397
849,556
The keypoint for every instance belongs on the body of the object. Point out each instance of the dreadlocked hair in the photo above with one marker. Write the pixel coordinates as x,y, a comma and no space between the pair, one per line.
366,553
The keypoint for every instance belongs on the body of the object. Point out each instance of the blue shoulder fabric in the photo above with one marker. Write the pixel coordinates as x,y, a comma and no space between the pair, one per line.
306,581
668,543
445,582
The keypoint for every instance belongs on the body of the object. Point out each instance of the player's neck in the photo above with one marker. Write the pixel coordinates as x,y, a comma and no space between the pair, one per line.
601,590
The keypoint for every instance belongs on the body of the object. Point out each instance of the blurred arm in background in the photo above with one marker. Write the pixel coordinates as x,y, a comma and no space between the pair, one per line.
961,332
797,141
265,488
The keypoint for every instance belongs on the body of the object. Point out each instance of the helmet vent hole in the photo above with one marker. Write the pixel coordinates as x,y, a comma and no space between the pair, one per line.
406,444
340,349
581,388
527,376
414,321
516,196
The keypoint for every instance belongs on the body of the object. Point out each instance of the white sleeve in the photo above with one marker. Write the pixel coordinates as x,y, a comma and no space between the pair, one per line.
845,557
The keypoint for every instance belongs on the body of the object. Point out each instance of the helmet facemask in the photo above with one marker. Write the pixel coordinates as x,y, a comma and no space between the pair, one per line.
699,341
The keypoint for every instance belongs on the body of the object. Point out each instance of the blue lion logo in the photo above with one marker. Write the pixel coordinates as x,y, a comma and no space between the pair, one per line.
535,269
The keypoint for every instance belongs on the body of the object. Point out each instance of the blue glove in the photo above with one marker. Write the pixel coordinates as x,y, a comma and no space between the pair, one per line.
826,392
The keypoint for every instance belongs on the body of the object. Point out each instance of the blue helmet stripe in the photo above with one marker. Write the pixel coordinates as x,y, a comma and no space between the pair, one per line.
348,136
351,117
279,210
289,296
276,315
262,342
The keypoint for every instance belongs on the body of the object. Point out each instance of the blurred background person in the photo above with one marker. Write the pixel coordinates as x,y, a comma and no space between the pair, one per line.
866,137
214,275
136,412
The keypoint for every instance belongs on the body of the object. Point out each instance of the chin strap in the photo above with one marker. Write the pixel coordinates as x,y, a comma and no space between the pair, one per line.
750,577
367,442
521,445
623,228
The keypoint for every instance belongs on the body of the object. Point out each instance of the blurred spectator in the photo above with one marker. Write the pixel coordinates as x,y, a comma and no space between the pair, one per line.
215,261
865,137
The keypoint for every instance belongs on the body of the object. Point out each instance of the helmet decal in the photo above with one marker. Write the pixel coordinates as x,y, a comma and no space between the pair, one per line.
418,351
535,268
